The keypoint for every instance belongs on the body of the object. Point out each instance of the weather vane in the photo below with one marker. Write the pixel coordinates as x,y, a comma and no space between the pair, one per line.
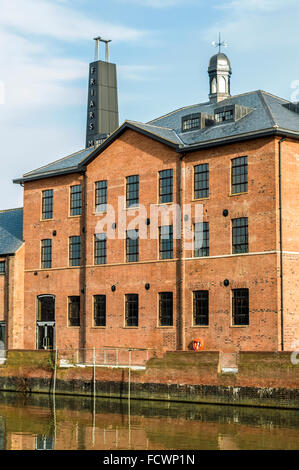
219,43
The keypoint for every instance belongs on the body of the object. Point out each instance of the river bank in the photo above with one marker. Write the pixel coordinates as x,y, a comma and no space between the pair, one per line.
264,379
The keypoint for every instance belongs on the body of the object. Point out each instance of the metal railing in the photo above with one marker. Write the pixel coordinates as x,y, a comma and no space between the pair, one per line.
107,356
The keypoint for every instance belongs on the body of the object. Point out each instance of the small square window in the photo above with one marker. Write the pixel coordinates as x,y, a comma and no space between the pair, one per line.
132,194
239,175
166,309
75,251
76,200
240,235
166,242
240,306
47,204
132,310
166,186
100,310
2,267
201,308
101,196
74,311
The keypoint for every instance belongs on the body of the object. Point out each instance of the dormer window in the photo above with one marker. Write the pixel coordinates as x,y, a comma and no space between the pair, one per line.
225,115
196,121
191,123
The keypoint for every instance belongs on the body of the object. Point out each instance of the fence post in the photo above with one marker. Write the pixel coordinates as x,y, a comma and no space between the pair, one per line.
55,372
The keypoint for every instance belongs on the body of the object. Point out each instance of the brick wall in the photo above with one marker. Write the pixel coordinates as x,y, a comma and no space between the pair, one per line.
133,154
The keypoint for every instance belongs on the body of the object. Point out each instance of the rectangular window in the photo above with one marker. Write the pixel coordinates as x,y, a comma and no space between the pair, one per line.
224,115
100,310
100,248
132,191
193,123
166,186
2,267
166,242
76,200
47,204
201,239
75,251
132,245
201,307
101,196
132,310
240,235
165,309
201,181
240,307
74,311
239,175
46,254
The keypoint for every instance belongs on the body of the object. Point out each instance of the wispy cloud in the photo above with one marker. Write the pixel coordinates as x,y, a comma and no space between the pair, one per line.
40,81
157,3
255,25
136,72
256,5
59,21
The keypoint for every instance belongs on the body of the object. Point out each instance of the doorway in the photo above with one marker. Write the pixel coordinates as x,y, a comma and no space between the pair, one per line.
45,322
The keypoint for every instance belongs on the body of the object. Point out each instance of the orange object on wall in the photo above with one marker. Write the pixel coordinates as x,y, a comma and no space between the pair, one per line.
198,344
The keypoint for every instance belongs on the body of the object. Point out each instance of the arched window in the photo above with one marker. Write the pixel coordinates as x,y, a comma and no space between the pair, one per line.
222,85
214,85
46,308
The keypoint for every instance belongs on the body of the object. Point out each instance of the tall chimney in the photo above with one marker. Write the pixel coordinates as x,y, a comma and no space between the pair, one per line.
102,106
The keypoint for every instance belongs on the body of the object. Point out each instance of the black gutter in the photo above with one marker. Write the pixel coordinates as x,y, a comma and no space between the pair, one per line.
241,138
83,264
7,299
281,245
179,274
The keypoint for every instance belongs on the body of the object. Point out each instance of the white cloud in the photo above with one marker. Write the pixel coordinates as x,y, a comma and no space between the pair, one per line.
257,5
59,21
256,25
157,3
136,72
39,82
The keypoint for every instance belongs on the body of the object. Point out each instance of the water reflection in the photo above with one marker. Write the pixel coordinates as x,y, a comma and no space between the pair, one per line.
43,422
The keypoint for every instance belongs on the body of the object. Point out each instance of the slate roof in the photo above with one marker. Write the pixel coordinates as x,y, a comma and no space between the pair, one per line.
267,114
11,231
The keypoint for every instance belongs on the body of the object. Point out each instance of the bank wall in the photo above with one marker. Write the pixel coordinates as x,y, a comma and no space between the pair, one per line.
263,379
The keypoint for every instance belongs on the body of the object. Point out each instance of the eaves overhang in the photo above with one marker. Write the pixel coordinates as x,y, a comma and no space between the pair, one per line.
239,138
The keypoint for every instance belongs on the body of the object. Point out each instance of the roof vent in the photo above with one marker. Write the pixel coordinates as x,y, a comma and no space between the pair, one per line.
196,121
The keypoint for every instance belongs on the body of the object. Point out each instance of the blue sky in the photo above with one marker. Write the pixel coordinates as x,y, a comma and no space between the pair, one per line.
161,48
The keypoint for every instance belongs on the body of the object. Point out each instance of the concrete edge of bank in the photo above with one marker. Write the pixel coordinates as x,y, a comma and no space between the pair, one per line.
205,394
263,379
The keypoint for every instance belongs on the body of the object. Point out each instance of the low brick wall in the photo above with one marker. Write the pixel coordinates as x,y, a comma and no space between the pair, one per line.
263,379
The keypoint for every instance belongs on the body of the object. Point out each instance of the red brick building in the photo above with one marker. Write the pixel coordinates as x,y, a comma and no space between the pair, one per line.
237,156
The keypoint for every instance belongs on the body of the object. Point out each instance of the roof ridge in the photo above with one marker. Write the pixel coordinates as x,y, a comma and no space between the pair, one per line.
267,108
55,161
176,110
274,96
151,125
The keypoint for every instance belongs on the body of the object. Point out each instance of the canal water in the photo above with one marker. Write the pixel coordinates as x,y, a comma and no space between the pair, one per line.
29,422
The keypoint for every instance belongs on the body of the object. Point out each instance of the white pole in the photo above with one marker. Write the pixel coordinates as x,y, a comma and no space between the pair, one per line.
55,372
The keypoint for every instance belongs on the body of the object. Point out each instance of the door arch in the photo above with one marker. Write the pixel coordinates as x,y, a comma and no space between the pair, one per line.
45,334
